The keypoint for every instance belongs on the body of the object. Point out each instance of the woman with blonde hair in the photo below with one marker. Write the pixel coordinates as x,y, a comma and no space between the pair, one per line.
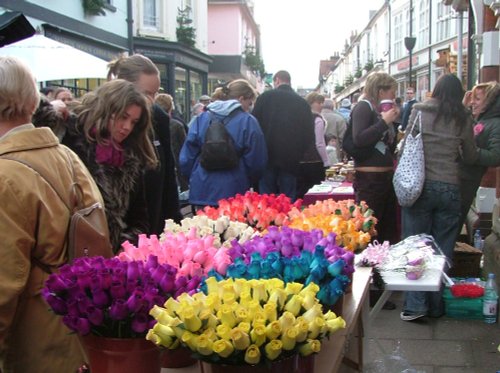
161,186
484,102
111,136
207,187
238,89
373,129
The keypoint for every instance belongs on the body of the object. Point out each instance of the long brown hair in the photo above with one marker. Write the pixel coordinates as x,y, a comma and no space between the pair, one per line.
449,93
112,99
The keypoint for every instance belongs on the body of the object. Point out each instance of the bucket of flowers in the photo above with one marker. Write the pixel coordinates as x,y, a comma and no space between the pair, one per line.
257,210
294,255
353,224
107,302
255,325
222,228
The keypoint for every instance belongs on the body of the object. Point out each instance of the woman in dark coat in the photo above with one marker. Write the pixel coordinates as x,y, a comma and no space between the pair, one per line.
484,100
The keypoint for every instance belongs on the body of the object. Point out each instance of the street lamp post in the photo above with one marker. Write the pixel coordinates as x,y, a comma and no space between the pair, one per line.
410,42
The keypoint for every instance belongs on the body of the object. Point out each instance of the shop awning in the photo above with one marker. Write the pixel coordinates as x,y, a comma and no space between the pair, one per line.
52,60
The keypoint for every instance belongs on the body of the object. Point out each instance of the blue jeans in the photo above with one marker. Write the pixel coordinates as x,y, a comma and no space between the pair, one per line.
436,212
277,181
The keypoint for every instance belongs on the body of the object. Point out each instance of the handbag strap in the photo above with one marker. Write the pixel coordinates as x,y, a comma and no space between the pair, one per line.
419,118
75,189
27,164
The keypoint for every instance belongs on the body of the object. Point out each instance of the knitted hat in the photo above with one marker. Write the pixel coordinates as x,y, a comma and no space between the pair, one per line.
345,103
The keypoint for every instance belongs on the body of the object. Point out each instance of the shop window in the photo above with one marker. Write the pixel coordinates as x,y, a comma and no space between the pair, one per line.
195,80
163,78
180,90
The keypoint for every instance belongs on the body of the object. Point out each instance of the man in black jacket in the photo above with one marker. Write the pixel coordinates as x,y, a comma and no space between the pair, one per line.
285,119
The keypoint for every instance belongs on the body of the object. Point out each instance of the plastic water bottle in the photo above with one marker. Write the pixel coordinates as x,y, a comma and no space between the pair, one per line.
478,241
490,300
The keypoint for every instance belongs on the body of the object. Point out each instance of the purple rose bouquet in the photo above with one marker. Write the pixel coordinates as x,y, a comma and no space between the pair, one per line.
110,297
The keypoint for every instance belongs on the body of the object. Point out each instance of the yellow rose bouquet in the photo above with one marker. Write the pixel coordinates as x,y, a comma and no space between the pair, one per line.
240,321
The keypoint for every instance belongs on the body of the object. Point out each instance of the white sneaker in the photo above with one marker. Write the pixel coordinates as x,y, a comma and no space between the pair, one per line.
406,316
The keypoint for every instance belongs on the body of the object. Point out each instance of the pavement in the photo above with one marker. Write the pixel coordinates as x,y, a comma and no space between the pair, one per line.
442,345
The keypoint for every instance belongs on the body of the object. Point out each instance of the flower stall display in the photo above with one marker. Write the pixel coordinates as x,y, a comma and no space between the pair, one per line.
191,255
223,229
257,210
107,302
295,256
352,223
412,257
306,269
291,242
240,322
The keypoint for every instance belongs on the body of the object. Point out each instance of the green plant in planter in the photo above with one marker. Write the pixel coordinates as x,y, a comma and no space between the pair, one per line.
186,33
348,80
358,73
368,65
94,7
338,88
254,61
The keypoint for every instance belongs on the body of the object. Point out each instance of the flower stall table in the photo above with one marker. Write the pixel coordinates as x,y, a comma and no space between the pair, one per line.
394,281
336,192
338,349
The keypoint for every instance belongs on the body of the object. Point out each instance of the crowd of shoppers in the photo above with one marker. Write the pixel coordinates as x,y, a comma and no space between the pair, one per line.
129,153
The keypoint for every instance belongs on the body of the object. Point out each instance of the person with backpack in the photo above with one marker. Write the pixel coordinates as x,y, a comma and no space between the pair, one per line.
34,222
225,151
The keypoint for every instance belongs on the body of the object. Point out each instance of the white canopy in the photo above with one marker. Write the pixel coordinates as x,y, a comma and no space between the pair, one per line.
51,60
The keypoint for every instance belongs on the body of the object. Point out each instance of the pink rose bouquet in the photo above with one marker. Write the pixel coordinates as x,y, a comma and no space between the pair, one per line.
191,255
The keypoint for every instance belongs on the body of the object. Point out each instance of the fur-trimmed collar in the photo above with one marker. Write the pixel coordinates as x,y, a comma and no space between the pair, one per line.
428,105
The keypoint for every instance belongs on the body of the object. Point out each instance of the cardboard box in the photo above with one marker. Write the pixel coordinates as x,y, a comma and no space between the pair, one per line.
466,261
